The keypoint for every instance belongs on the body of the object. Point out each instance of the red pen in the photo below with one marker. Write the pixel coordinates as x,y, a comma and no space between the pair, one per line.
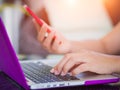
38,20
34,16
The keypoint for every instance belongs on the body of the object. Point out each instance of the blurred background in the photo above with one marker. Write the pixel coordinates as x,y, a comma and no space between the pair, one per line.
76,19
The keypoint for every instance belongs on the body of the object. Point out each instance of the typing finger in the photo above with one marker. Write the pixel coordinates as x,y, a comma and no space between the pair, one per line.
58,68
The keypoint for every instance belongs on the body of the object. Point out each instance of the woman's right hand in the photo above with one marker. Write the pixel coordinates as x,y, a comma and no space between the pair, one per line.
54,42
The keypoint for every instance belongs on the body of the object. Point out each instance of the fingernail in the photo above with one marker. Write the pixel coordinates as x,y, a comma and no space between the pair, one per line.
56,73
52,70
63,74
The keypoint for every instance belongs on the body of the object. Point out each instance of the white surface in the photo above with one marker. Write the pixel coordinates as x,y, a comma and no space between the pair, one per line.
79,19
67,14
12,17
51,62
8,21
83,34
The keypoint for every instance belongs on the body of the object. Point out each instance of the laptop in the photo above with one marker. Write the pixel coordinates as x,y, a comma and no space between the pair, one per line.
36,75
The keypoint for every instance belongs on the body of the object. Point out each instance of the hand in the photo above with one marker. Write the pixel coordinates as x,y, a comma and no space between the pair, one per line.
54,42
76,63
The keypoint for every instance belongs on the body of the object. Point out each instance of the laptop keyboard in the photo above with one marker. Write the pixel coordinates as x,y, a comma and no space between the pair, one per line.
41,73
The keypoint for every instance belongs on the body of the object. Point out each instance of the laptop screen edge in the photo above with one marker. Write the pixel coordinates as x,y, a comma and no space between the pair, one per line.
9,62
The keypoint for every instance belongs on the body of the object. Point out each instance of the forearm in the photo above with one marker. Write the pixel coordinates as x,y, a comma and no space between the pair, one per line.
115,64
94,45
108,44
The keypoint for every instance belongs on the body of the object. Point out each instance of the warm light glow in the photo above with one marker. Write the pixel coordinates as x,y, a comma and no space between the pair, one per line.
70,2
76,14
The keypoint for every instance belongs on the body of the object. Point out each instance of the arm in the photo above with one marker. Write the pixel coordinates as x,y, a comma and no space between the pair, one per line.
85,61
108,44
112,42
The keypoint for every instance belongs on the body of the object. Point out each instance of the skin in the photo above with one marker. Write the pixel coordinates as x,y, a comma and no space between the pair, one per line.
49,43
85,61
97,56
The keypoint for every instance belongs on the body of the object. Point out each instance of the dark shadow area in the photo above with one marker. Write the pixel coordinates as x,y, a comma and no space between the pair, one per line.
7,84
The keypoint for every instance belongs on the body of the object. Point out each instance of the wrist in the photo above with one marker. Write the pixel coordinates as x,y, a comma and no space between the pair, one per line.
115,64
117,69
70,45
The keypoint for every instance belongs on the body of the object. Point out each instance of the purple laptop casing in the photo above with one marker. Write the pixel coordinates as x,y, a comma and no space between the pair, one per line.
9,62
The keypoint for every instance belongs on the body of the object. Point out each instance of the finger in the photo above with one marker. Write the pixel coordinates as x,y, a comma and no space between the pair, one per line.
81,68
73,67
70,65
55,43
49,39
42,33
48,27
58,68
